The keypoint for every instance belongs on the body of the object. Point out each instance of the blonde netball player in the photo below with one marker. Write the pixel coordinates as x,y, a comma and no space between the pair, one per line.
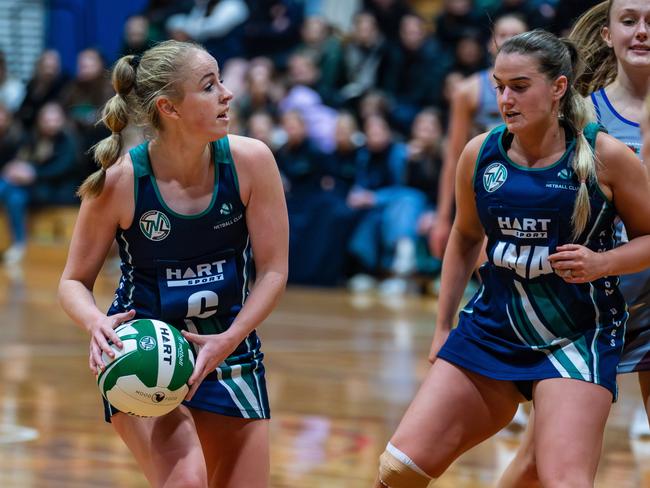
191,201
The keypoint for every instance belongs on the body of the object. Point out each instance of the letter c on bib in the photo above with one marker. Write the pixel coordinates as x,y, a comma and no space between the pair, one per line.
202,304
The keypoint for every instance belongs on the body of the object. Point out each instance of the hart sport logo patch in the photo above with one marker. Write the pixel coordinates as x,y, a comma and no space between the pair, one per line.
495,175
155,225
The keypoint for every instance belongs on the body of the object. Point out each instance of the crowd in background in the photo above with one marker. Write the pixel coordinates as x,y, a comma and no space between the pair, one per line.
355,113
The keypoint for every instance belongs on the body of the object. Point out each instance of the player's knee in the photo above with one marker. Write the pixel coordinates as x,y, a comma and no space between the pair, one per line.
565,479
397,470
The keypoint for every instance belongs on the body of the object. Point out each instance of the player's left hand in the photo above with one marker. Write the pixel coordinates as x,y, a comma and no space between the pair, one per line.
213,350
577,264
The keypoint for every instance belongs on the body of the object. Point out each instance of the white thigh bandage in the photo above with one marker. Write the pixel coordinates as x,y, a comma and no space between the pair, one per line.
397,470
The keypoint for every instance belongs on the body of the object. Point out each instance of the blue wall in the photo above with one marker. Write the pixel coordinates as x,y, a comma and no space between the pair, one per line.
74,25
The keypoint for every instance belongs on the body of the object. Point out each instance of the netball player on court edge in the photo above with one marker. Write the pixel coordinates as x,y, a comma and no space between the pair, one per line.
473,106
547,323
614,37
195,199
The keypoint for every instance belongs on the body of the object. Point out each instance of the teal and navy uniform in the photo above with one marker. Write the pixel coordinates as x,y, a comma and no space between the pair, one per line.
526,323
193,271
635,287
488,115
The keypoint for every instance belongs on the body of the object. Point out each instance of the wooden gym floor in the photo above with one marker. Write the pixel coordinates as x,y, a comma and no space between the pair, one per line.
341,371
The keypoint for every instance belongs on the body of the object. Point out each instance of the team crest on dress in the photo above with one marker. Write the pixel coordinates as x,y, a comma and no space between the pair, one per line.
495,175
155,225
226,209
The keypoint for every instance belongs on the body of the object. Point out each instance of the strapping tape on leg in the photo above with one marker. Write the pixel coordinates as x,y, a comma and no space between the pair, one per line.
397,470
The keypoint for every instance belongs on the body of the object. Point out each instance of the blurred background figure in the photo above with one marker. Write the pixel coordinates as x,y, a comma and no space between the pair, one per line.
43,172
137,35
45,86
218,25
12,90
413,72
83,98
273,29
363,54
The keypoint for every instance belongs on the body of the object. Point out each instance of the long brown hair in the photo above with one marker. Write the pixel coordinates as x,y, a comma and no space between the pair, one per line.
600,60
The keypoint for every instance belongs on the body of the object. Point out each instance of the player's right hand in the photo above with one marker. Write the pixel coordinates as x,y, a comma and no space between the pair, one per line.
439,236
100,333
439,339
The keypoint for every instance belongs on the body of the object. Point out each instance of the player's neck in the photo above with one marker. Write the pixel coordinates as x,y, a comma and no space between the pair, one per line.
540,147
629,87
184,161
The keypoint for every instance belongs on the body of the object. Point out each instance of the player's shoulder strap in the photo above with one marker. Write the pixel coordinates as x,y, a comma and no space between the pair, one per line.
591,131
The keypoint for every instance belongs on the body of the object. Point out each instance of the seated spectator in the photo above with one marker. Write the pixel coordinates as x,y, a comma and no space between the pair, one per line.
384,239
363,53
83,99
157,13
12,90
413,72
11,136
319,43
424,163
43,172
302,97
137,38
45,86
273,29
454,18
319,221
261,126
375,102
389,15
301,163
262,93
217,24
470,53
343,163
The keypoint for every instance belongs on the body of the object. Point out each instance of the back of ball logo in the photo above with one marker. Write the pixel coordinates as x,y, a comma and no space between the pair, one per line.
155,225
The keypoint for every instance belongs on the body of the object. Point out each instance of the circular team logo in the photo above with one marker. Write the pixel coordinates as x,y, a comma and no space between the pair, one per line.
147,343
155,225
495,175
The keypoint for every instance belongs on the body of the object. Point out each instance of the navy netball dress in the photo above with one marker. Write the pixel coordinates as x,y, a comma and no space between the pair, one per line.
193,271
526,323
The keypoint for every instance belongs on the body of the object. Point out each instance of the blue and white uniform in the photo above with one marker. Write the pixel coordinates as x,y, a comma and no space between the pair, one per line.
193,272
635,287
488,115
525,323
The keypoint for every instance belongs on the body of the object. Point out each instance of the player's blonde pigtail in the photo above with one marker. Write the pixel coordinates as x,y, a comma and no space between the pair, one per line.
577,113
139,82
115,116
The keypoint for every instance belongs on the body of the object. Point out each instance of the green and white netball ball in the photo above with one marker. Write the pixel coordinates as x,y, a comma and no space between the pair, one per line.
148,376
